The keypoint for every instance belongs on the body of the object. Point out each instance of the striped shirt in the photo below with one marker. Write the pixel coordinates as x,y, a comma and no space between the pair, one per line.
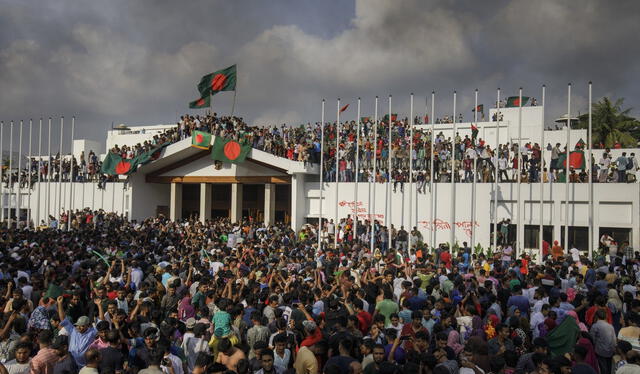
44,361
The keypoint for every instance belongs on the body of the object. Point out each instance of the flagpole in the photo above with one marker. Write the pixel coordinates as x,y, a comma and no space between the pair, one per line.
49,171
233,106
355,226
388,202
2,171
29,173
335,236
566,179
453,175
38,215
59,206
475,174
411,166
372,215
73,127
431,171
590,176
519,229
496,151
541,229
19,192
321,186
10,172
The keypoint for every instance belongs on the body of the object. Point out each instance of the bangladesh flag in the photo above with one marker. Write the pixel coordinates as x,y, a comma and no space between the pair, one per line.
201,139
514,101
474,131
203,102
479,108
227,150
576,160
221,80
394,117
114,164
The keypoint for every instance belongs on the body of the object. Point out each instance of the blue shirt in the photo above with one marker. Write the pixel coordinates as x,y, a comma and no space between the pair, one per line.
79,343
521,302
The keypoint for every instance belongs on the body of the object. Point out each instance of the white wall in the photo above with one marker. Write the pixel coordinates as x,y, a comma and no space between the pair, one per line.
615,205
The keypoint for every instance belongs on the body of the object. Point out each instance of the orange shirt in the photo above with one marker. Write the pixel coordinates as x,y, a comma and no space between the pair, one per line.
556,251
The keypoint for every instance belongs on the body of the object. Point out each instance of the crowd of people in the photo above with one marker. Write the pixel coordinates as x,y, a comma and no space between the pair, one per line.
368,157
156,296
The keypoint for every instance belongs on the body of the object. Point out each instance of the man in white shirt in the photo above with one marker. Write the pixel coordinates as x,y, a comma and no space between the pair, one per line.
604,163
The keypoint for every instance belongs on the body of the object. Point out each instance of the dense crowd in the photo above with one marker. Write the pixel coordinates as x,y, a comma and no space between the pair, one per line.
112,296
411,158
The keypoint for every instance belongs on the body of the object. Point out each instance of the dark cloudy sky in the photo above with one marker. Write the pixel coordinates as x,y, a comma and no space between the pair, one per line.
138,62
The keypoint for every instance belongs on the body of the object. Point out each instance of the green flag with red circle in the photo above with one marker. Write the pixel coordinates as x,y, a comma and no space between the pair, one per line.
221,80
514,101
203,102
228,150
201,139
114,164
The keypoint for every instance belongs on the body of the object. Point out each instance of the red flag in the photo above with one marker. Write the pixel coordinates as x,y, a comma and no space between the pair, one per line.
344,108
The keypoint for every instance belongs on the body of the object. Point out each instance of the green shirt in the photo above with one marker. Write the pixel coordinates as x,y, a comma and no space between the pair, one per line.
387,307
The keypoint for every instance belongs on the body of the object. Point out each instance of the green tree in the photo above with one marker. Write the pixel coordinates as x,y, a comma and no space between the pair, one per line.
612,124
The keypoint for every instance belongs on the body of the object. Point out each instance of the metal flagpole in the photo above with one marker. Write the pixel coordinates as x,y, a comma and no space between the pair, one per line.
566,172
496,151
73,127
411,166
519,230
19,191
355,226
590,176
49,172
388,202
10,171
475,174
321,186
335,236
38,215
541,229
431,171
59,206
372,215
29,174
453,175
2,171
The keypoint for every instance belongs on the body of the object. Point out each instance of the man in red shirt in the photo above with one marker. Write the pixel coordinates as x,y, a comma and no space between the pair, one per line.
445,258
411,329
364,317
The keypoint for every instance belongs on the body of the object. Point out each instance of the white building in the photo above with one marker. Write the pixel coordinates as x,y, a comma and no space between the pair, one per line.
184,182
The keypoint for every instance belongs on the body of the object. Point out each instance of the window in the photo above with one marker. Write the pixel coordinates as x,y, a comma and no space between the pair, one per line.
532,234
578,237
620,235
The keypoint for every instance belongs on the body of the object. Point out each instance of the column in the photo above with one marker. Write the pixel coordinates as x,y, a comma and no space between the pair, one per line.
205,201
298,201
236,202
175,207
269,203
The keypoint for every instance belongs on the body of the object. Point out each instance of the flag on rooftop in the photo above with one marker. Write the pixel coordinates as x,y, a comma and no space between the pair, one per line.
221,80
514,101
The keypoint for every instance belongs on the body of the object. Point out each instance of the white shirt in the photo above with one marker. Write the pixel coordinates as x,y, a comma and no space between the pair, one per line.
575,254
13,367
176,363
136,277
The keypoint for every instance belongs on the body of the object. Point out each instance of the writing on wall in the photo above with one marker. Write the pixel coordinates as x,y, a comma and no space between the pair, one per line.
357,207
438,224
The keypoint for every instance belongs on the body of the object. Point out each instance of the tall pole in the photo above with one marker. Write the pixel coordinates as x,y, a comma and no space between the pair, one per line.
49,172
73,127
357,165
336,225
372,215
321,186
411,166
520,229
590,173
496,151
566,173
2,171
29,175
59,206
388,202
38,216
453,175
541,228
431,171
19,192
475,174
10,172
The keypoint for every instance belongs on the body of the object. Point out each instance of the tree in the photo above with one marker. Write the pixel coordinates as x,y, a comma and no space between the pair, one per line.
612,124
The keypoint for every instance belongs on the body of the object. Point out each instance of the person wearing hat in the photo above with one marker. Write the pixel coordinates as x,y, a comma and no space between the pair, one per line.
65,362
81,334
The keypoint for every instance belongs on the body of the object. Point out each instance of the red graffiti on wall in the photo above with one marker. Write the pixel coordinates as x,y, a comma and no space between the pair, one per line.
357,207
438,224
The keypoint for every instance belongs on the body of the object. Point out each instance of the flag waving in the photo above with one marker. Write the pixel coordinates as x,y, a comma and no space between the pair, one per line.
203,102
479,109
221,80
514,101
344,108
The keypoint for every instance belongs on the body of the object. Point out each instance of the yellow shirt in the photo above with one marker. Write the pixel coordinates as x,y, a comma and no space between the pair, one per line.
306,362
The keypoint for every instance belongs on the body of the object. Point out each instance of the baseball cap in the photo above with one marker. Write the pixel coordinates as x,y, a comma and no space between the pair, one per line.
82,321
191,322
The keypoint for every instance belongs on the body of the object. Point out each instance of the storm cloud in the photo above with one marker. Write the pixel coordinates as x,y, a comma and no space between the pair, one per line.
138,62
